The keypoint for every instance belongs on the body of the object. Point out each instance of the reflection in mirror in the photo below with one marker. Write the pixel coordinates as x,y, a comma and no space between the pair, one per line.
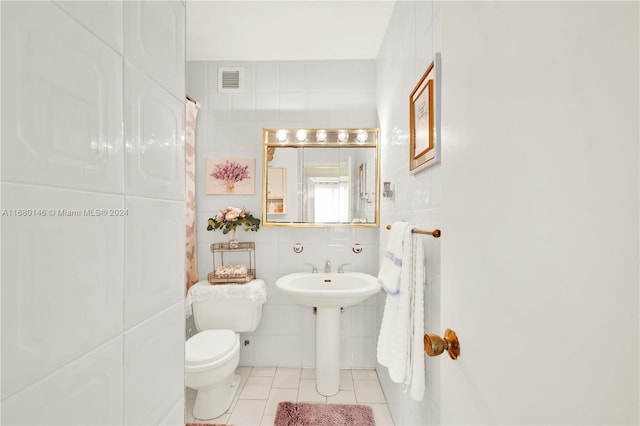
276,190
314,177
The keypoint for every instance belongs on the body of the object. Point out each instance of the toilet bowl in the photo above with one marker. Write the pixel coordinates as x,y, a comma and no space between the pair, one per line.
211,358
220,313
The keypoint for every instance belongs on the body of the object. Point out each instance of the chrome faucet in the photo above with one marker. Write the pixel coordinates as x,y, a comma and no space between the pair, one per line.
327,266
341,268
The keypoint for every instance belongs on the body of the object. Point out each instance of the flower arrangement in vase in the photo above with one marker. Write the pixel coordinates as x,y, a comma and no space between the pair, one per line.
229,219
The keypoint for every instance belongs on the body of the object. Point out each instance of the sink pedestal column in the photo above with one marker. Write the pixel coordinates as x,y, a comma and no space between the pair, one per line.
328,351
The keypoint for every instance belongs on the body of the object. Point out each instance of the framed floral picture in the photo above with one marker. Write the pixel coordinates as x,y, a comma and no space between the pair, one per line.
424,119
231,176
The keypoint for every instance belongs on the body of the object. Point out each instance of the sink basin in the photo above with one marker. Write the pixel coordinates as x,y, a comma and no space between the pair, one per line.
329,290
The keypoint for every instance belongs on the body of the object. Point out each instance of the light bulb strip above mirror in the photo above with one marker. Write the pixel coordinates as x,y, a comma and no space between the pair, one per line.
329,137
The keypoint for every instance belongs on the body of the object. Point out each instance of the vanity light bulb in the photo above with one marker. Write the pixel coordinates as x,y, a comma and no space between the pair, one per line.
343,136
362,136
301,135
281,135
321,135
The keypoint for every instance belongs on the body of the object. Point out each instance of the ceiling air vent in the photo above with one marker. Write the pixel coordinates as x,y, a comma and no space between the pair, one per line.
229,79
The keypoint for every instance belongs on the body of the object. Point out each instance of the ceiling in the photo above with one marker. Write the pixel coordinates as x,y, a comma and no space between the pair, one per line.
238,30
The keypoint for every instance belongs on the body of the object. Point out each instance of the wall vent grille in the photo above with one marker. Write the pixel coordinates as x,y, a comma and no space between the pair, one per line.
230,79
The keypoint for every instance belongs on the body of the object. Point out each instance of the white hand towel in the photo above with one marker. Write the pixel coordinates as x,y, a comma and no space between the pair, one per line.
389,275
402,329
387,329
402,333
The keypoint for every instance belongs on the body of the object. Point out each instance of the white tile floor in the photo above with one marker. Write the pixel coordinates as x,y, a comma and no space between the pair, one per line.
261,389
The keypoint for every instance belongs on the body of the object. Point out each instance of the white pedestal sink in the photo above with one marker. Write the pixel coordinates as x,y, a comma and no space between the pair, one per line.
328,292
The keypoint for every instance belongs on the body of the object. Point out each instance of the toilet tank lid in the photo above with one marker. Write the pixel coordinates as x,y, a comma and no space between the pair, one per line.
208,346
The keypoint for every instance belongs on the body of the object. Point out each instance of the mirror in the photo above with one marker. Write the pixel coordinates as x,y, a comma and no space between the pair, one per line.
320,177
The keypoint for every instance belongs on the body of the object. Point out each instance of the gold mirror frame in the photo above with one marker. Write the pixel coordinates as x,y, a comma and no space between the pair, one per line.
313,138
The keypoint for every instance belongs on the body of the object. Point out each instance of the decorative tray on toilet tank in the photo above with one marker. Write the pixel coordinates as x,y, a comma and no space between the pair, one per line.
233,270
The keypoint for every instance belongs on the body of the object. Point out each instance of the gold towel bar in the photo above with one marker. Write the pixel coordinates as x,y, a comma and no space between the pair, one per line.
433,232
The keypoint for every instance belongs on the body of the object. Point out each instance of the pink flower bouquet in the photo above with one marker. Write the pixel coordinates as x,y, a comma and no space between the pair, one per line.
229,218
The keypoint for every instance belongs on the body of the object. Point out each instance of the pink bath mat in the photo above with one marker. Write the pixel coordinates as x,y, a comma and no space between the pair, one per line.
309,414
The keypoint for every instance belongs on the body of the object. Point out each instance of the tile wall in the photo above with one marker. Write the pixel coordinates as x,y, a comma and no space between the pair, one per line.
286,94
93,212
412,38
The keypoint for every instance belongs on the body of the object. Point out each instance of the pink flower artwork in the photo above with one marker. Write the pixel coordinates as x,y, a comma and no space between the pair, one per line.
230,176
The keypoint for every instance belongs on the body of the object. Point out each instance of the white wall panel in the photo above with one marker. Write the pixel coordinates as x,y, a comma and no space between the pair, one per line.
154,237
154,367
289,351
154,41
61,280
154,132
64,126
63,161
177,415
102,17
86,392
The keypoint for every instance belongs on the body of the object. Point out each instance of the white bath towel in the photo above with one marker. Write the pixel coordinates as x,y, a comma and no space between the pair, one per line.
400,345
415,379
389,275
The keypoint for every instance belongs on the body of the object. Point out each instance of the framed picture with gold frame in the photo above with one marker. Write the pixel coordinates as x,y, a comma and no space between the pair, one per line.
424,119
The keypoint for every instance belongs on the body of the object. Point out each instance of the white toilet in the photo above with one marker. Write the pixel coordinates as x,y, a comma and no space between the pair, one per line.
220,313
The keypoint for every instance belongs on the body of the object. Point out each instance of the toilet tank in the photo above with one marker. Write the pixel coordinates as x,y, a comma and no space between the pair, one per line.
232,307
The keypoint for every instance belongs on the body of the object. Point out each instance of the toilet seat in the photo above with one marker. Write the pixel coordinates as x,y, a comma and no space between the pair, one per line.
210,347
